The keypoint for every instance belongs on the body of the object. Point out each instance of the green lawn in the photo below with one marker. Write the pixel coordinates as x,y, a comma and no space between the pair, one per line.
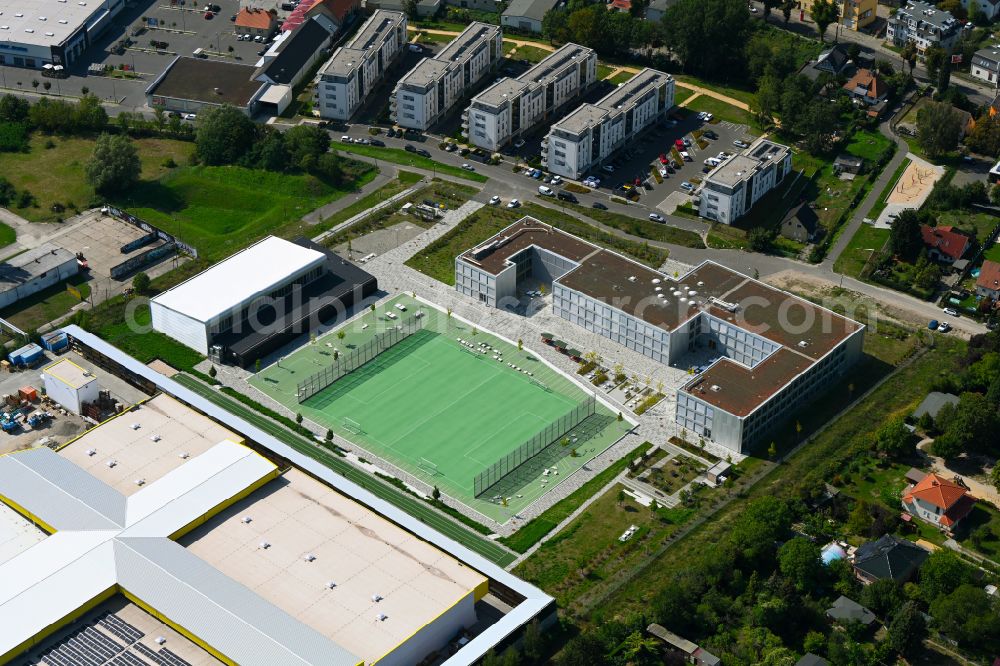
7,235
56,175
430,399
220,210
368,201
979,225
622,77
434,38
868,145
866,241
722,110
993,254
603,71
438,259
639,227
746,96
397,156
681,94
30,313
420,510
534,54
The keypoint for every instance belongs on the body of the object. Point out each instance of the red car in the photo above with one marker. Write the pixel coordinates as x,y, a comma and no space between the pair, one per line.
679,144
208,15
663,158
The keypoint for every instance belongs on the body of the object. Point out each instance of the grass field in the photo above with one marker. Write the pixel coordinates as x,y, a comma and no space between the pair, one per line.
42,307
866,241
56,175
397,156
428,399
722,110
622,77
411,505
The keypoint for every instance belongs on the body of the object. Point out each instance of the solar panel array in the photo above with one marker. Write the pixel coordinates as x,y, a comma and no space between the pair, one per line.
90,647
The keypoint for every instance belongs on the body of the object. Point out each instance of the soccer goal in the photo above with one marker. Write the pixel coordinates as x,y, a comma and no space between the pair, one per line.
351,425
540,385
429,467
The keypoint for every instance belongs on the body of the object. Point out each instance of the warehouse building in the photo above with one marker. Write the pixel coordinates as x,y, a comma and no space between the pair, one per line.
761,351
590,134
357,67
513,106
435,85
260,299
36,33
32,271
249,551
191,85
733,187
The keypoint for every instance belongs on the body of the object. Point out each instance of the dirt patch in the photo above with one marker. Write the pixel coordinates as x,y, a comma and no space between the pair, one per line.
915,184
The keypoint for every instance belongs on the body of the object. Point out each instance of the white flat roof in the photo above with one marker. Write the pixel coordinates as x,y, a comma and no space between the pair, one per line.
51,22
238,279
69,373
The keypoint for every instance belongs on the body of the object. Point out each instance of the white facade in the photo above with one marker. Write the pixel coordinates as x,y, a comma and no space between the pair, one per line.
34,33
985,65
69,385
732,188
925,25
435,85
513,106
989,7
589,135
222,298
32,271
356,68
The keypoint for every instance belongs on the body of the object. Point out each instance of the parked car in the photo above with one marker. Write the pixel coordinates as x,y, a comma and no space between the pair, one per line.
598,205
741,144
607,168
545,190
932,324
710,134
208,16
687,143
468,167
563,195
951,312
494,200
189,116
423,152
679,144
944,327
519,143
687,187
685,156
377,142
556,179
415,48
513,203
656,217
409,148
345,139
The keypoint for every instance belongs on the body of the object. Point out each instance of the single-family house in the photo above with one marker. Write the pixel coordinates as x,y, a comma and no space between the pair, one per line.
256,22
845,163
985,66
932,404
858,14
623,6
688,650
338,11
846,611
989,7
801,224
888,558
526,15
867,89
657,8
988,282
833,60
294,52
810,659
939,501
945,244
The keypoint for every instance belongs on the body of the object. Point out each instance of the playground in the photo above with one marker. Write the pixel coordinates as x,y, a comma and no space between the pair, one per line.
445,402
911,190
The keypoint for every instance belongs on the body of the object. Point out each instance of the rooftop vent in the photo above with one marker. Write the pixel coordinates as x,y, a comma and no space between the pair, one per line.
700,283
183,455
265,545
91,452
330,584
657,280
381,617
111,463
154,438
140,482
803,343
247,520
309,557
377,597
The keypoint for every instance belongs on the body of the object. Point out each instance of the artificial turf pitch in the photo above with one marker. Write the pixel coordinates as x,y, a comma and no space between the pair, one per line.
429,399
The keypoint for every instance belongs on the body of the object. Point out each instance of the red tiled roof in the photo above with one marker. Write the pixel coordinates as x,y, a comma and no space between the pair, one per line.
254,18
989,276
622,5
937,491
946,240
337,8
864,78
959,510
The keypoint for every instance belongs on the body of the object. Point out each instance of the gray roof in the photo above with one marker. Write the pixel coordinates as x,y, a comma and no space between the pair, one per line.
364,44
746,163
455,54
988,58
929,15
621,98
29,265
811,659
532,9
933,403
848,610
535,601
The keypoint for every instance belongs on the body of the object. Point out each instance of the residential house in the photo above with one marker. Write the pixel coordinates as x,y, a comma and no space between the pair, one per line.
888,558
478,5
801,224
938,501
986,67
931,405
925,25
425,8
526,15
858,14
833,61
810,659
991,8
988,282
733,187
256,22
294,52
846,611
338,11
846,163
944,244
868,90
623,6
657,8
690,652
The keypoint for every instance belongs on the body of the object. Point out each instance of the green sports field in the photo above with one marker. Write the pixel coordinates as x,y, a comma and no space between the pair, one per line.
442,412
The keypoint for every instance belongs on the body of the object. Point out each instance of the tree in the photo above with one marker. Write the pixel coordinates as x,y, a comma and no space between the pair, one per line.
410,9
305,144
533,644
436,493
892,439
860,520
13,109
212,372
824,12
940,574
984,138
943,77
995,476
799,561
967,616
882,597
762,522
786,9
140,283
772,451
934,57
224,135
298,418
853,52
760,239
974,426
114,165
688,25
905,239
907,629
909,55
640,650
995,195
329,435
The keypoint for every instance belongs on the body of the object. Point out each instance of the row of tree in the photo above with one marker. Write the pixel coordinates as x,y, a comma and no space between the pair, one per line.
55,116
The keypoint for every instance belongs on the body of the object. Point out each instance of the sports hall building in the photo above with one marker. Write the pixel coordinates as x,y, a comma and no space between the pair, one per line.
177,533
767,351
35,33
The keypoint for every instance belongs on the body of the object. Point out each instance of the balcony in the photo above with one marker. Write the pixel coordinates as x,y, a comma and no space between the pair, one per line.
465,116
465,132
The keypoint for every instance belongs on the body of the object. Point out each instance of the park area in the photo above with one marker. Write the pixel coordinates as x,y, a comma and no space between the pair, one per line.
444,410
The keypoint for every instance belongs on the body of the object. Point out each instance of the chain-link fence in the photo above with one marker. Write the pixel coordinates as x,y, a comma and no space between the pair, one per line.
502,468
353,360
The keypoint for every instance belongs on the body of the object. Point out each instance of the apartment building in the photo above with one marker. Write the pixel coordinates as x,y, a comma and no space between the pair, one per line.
990,8
590,134
925,25
358,66
758,352
513,106
734,186
858,14
435,85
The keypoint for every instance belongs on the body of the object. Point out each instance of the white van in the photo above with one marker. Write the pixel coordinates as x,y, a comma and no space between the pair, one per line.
545,191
